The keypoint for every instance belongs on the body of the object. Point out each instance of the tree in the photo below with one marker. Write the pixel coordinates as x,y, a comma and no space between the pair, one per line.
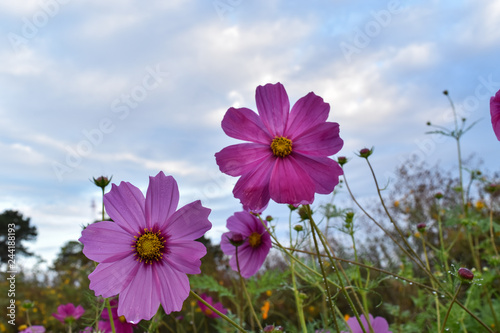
18,228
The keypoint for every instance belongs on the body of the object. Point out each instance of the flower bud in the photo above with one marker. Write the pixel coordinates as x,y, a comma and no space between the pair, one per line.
445,92
303,213
421,227
269,218
492,188
438,195
236,239
292,207
342,160
365,152
429,123
298,228
465,274
349,216
102,181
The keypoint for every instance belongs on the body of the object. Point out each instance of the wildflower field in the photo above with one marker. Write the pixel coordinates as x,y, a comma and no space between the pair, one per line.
420,256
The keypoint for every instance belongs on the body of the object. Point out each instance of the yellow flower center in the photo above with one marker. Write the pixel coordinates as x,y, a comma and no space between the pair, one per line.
281,146
122,319
208,312
254,239
149,246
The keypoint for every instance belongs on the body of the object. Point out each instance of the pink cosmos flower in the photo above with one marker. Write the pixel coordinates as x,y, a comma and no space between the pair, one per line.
68,313
207,311
495,113
34,329
379,324
145,254
254,243
286,156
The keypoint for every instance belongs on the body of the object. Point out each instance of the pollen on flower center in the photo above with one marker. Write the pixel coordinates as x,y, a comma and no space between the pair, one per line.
281,146
149,246
254,239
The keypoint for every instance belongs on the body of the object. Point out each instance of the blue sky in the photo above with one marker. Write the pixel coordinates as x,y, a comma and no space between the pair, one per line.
126,88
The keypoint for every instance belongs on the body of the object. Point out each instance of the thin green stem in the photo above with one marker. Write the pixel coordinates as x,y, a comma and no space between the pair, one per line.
444,253
298,300
110,314
338,269
323,273
436,297
449,308
223,316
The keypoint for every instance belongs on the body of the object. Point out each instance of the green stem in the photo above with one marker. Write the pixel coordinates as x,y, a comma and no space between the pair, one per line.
323,273
110,314
444,253
449,308
223,316
338,269
298,300
436,296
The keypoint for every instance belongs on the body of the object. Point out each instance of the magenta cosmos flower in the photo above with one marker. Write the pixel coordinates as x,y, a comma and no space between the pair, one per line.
145,254
254,243
379,324
207,311
286,158
34,329
495,113
67,313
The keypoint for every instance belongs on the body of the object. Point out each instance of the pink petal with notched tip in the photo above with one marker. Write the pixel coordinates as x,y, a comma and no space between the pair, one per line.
244,124
185,256
308,112
290,184
321,140
125,205
140,299
188,223
242,158
102,248
273,106
162,199
324,172
109,279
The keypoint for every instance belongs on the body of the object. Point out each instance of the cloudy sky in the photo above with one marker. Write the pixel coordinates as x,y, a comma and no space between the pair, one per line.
128,88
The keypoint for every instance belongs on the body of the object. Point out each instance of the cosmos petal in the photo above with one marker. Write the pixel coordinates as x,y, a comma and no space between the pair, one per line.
253,188
185,256
321,140
162,199
323,171
239,159
125,205
273,106
174,288
290,184
109,279
98,246
308,112
244,124
140,299
495,113
189,222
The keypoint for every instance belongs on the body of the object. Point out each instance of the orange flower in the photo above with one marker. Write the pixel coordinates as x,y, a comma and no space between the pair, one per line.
265,309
